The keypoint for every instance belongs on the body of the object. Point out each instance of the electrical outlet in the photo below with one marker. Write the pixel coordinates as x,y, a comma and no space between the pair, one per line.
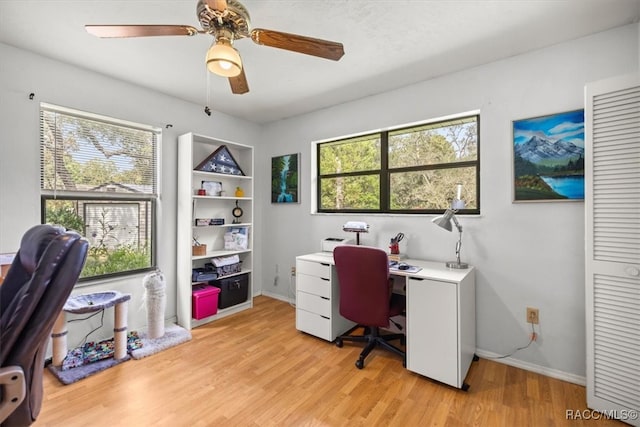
293,271
532,315
275,278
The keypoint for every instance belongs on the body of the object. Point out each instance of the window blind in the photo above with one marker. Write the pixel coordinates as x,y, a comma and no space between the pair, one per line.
85,153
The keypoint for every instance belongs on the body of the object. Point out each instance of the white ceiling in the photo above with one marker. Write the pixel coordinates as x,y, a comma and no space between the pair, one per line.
388,44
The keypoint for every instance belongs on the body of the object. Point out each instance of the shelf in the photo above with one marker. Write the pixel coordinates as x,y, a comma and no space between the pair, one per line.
223,312
221,175
229,225
220,253
222,197
226,276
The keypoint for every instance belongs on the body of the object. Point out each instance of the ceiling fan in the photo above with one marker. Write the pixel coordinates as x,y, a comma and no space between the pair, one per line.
226,21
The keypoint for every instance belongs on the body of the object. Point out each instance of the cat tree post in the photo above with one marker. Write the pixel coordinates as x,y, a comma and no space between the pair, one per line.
155,301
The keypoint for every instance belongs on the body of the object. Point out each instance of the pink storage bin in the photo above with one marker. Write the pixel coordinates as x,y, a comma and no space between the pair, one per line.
204,301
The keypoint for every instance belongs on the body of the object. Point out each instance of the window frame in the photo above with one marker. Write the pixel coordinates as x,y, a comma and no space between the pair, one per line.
385,171
151,197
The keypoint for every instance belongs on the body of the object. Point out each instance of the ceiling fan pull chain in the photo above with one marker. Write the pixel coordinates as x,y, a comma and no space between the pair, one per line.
207,110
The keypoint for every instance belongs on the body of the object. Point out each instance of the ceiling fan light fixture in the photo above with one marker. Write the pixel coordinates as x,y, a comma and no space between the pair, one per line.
223,59
226,21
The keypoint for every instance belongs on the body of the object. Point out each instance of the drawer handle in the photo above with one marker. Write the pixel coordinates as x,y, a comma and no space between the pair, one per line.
325,317
326,298
326,265
325,279
417,278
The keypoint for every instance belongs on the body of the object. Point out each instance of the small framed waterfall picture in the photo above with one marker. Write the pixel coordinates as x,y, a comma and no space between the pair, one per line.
285,186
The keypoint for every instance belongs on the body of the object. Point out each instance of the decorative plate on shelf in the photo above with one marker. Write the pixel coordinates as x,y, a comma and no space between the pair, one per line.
220,161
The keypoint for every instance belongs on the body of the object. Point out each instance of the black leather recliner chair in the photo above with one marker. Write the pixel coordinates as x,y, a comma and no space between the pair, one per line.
39,281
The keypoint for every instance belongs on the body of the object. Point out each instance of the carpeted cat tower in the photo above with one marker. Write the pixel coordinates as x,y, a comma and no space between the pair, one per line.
93,357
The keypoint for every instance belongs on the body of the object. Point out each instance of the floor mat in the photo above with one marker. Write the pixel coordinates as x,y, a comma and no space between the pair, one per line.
92,351
72,375
173,335
91,358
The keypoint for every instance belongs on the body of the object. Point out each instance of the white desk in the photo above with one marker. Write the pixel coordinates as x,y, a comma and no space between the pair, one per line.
441,315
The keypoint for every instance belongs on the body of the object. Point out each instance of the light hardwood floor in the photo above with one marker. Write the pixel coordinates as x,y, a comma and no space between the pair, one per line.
255,369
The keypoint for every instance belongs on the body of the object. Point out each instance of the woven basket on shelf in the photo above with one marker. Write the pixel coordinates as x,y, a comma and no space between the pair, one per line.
198,250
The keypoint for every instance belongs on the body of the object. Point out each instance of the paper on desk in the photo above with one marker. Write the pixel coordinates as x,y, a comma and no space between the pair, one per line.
411,269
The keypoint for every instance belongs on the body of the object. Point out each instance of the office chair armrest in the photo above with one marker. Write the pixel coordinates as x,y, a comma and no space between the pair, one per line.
13,390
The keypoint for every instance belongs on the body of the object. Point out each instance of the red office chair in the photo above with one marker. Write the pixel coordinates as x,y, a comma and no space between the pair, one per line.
366,298
37,285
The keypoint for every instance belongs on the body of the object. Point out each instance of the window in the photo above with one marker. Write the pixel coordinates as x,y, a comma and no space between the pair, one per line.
98,176
409,170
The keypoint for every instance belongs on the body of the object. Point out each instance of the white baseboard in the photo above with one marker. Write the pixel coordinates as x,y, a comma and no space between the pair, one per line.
277,296
542,370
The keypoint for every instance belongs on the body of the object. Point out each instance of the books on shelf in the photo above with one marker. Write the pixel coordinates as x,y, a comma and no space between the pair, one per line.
397,257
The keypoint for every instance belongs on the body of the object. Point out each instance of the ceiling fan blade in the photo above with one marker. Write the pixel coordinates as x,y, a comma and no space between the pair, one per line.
111,31
293,42
239,83
219,5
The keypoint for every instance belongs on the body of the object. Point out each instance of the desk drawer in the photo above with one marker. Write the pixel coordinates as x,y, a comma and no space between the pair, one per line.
314,285
314,304
313,269
313,324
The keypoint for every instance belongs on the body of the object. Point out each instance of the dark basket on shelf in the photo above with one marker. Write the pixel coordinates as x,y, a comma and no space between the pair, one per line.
224,270
203,275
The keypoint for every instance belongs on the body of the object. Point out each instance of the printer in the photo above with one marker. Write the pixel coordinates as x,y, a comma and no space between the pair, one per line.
329,243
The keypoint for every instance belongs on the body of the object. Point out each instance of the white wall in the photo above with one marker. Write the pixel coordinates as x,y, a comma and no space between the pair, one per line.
53,82
526,254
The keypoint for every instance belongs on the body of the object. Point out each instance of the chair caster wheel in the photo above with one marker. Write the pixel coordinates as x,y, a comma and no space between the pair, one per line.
338,343
360,364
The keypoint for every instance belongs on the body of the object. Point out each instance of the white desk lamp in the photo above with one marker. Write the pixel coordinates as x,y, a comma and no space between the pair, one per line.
444,221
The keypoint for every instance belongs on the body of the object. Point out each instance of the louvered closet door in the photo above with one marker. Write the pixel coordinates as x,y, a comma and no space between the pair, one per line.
612,203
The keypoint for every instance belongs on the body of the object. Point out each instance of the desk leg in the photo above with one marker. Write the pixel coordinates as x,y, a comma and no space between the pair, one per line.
120,331
59,339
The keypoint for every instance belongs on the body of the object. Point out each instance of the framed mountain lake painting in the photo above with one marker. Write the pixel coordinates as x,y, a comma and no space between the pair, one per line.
285,187
548,158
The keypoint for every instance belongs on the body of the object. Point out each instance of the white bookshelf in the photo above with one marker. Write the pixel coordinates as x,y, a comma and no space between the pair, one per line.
192,150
